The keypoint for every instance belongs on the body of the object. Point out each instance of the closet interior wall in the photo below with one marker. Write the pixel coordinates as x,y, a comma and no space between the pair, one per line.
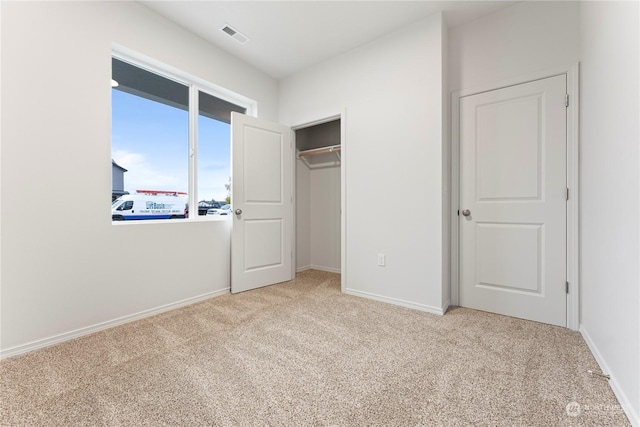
318,198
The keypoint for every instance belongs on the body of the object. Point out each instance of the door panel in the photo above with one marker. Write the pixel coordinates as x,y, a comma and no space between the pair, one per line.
509,256
500,154
263,243
261,236
262,184
513,182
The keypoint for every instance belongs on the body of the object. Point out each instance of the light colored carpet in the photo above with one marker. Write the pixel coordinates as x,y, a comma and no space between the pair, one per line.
303,354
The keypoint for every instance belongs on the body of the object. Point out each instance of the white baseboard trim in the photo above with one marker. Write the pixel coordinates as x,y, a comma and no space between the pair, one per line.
620,394
318,267
67,336
396,301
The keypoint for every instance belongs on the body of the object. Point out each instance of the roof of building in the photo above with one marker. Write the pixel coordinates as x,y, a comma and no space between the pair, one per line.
113,162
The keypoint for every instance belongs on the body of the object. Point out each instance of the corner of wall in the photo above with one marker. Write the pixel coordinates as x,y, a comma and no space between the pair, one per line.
446,172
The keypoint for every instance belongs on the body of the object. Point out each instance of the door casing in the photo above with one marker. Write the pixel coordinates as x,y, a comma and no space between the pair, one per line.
572,73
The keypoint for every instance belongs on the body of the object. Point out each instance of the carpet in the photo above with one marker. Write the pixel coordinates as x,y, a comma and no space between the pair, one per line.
301,353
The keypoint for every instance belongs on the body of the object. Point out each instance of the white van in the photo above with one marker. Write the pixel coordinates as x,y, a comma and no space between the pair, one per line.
149,206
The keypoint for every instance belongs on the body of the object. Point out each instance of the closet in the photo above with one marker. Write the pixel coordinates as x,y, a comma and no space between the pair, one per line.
318,207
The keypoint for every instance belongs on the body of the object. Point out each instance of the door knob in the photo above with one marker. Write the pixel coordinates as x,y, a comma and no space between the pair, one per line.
238,211
466,212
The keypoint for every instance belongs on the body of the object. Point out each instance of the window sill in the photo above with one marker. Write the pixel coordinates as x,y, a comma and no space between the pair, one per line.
203,218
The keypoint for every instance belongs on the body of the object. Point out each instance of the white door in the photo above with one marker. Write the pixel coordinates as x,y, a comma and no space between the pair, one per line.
261,203
513,201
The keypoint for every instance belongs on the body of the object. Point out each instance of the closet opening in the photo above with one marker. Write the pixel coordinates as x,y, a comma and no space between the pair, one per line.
319,175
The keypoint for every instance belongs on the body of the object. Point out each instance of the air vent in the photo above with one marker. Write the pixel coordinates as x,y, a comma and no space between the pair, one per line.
235,34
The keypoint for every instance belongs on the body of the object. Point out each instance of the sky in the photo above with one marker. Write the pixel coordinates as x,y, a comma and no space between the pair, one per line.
151,141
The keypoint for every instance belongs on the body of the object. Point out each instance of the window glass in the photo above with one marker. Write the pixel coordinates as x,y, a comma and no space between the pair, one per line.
150,132
150,142
214,154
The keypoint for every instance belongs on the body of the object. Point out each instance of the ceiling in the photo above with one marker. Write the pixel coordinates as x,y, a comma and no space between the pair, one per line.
289,36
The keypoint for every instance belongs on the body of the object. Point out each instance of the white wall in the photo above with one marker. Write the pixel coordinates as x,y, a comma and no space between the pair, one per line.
325,218
65,267
391,90
610,192
317,218
513,42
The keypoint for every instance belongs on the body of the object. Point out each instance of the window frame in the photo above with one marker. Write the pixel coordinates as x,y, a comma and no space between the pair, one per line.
195,84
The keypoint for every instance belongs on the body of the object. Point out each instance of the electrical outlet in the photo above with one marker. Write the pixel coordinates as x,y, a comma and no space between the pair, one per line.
381,260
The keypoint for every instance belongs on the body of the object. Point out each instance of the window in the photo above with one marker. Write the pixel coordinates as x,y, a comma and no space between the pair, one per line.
126,206
157,150
214,148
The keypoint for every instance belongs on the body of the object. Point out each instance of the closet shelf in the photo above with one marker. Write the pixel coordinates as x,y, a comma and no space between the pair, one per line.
321,150
302,155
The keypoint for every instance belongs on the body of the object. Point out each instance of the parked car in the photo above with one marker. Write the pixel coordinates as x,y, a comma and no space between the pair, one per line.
224,210
204,206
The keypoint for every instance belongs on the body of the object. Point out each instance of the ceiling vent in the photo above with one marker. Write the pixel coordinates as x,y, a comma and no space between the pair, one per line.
234,34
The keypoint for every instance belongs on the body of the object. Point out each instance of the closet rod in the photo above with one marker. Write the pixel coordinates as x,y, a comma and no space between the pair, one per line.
322,150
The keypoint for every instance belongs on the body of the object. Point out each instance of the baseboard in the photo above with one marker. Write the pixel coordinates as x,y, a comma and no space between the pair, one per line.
318,267
396,301
67,336
620,394
327,269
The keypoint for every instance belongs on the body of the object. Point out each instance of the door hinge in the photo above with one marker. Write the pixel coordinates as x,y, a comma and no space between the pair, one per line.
566,100
567,193
567,287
